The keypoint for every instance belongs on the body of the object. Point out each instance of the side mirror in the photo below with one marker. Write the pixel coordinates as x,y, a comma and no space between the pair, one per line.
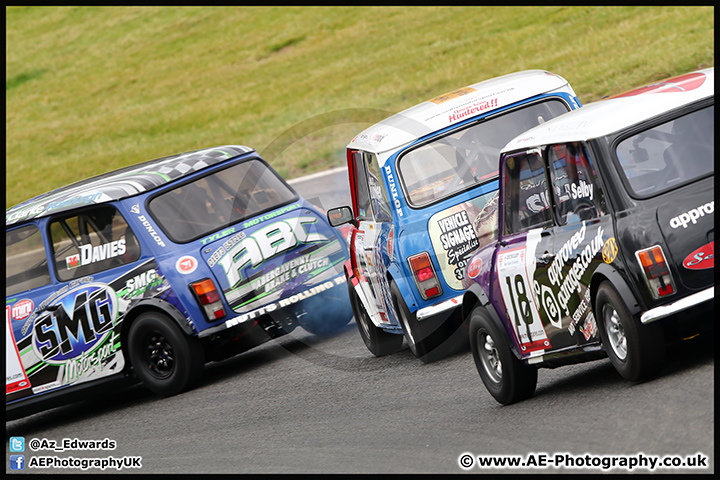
339,216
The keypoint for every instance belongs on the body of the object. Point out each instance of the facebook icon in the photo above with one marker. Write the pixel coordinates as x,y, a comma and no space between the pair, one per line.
17,462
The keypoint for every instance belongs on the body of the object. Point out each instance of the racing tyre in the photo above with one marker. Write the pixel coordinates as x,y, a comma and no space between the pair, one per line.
329,316
508,379
165,360
376,340
635,350
433,338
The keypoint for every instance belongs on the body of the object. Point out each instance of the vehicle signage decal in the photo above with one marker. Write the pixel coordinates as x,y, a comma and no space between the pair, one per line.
702,258
459,231
684,219
519,299
73,336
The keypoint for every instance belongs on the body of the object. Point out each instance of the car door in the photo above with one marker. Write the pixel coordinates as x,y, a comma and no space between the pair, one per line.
525,253
368,233
581,232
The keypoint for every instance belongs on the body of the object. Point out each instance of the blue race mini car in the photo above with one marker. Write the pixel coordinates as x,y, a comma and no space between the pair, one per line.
424,192
152,270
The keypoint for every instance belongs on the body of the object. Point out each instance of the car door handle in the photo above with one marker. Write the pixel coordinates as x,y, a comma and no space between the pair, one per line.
545,257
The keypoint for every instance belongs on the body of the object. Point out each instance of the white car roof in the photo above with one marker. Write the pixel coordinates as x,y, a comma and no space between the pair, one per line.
616,113
456,106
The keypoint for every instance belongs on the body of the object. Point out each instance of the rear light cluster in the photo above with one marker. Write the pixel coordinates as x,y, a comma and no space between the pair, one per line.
209,298
424,274
655,266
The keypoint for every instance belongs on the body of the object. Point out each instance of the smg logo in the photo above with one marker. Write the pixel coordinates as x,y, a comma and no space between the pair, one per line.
75,323
266,243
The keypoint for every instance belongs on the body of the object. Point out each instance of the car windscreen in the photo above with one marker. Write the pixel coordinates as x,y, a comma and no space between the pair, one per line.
467,157
218,200
670,154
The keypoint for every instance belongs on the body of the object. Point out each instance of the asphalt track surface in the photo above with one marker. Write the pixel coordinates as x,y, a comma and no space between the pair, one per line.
306,404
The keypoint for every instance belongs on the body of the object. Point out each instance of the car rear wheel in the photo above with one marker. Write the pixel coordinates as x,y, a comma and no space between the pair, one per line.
508,379
376,340
432,338
165,360
635,350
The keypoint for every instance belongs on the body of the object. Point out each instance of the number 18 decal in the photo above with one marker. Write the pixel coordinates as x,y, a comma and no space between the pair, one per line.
520,301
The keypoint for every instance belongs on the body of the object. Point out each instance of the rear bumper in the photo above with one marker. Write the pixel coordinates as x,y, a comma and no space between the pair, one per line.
438,308
676,307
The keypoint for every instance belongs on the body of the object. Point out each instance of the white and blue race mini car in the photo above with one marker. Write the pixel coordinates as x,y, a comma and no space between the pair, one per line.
152,270
424,187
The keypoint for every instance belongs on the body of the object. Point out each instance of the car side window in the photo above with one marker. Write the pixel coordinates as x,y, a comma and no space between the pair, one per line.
25,261
378,195
576,193
362,193
91,241
525,196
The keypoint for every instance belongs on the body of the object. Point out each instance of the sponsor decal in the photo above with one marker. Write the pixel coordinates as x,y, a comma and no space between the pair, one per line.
135,209
702,258
684,219
393,191
474,267
89,254
571,280
390,243
22,309
454,94
682,83
151,230
80,322
458,237
28,212
590,329
139,284
609,250
186,264
519,300
74,201
271,215
456,233
15,376
285,302
265,243
473,109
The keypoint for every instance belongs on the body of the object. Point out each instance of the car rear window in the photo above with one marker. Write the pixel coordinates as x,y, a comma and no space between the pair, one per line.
220,199
467,157
670,154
